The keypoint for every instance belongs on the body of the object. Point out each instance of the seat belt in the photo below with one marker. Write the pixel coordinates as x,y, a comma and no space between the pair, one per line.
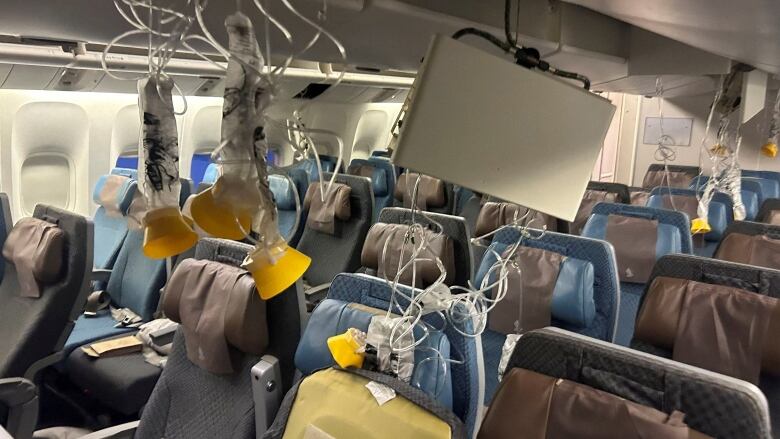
96,301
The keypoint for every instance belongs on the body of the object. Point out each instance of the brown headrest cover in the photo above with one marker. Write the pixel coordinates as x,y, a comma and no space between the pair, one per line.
693,319
773,217
759,250
590,199
544,407
323,214
430,192
35,248
494,215
439,245
528,301
639,198
682,203
220,312
657,178
361,170
109,194
634,240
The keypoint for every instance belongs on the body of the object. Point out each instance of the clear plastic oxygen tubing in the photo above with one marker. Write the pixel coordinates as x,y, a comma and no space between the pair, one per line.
471,304
664,153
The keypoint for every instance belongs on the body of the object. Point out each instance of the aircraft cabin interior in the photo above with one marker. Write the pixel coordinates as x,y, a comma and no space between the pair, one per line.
384,219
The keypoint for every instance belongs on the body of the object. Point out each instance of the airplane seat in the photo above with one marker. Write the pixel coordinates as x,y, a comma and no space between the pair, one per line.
287,206
770,189
720,215
433,194
466,387
452,247
462,196
113,194
126,172
6,224
639,236
334,240
639,195
767,187
328,163
185,191
751,243
597,192
715,315
581,277
578,387
232,355
134,283
42,295
769,212
679,176
382,177
210,175
751,193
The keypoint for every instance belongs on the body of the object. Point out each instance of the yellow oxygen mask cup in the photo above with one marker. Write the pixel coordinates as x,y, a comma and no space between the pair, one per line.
166,233
226,209
275,268
700,226
769,149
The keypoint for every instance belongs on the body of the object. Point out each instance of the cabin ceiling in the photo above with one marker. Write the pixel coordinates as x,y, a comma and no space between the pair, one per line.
743,30
602,39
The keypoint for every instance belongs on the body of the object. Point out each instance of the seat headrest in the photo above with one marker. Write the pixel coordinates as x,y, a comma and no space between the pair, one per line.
720,328
129,173
378,177
772,217
439,245
639,196
220,312
284,192
758,250
336,206
548,286
637,241
494,215
334,317
430,193
36,249
543,406
717,215
679,177
114,193
210,174
590,199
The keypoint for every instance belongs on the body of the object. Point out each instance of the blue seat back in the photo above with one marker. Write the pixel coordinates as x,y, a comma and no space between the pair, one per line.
771,190
466,387
6,223
720,215
767,188
673,236
136,280
382,177
110,221
462,196
588,254
752,193
287,206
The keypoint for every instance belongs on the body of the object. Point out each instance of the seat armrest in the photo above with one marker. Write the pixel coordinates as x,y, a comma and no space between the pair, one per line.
266,392
100,274
20,397
121,431
315,295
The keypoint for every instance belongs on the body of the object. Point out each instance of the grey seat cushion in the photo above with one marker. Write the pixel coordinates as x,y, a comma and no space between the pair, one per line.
123,383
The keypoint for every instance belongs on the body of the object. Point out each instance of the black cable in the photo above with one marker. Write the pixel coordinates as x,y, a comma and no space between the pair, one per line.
572,75
506,47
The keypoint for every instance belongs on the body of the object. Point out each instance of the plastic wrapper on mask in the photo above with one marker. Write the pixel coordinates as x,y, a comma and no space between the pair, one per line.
166,233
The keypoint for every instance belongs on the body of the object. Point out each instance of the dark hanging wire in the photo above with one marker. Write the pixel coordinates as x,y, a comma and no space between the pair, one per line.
525,56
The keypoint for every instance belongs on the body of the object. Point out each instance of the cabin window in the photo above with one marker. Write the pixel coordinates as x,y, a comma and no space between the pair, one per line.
127,161
198,164
46,179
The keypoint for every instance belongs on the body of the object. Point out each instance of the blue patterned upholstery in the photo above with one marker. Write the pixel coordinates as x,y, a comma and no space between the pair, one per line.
771,190
720,215
672,226
135,283
768,187
382,182
110,231
287,205
753,189
374,292
605,290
